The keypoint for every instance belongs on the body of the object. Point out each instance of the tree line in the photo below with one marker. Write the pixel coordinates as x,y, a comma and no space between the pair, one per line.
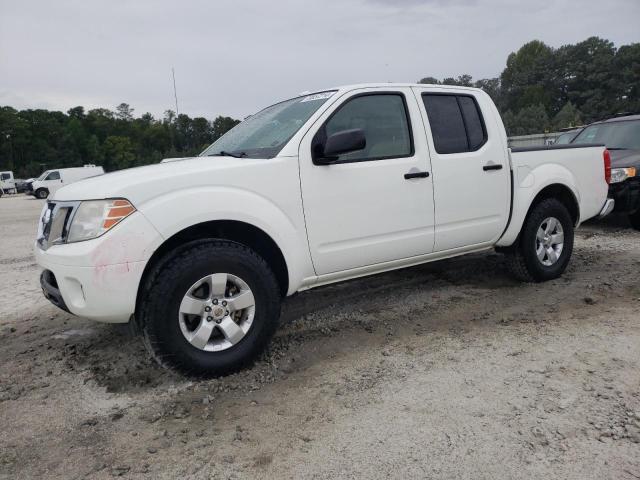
33,140
545,89
541,89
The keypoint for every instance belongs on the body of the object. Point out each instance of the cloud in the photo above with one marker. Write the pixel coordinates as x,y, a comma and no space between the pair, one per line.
233,57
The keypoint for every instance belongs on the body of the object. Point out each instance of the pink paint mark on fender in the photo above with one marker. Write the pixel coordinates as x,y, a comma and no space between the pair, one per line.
112,257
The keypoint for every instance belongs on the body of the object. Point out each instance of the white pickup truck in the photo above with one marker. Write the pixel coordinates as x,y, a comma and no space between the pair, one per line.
313,190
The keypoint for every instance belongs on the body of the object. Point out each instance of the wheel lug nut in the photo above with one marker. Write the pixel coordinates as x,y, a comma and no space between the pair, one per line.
218,320
224,303
209,319
207,309
215,301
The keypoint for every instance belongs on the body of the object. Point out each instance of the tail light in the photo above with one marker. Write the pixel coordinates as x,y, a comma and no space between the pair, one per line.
607,166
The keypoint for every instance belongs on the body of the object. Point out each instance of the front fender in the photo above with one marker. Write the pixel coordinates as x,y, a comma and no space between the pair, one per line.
528,183
175,211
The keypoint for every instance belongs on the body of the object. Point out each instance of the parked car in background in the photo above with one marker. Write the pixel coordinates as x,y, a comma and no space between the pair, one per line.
22,186
51,180
313,190
621,135
7,183
567,136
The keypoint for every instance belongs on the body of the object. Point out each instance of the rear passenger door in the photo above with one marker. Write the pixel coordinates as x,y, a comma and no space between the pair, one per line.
471,175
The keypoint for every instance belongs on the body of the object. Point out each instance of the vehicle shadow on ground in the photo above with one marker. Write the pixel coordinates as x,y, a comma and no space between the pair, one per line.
114,356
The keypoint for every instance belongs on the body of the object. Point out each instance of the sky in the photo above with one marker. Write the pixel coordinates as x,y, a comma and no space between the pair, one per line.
234,57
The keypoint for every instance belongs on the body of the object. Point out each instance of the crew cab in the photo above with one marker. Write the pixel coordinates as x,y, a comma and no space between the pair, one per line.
318,189
621,136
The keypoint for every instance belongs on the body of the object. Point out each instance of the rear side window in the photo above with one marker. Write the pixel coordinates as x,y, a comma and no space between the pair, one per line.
456,123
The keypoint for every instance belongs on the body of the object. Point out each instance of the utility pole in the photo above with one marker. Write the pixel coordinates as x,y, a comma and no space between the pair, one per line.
175,92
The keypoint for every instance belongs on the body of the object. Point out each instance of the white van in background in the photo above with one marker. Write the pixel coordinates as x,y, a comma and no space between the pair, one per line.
51,180
7,183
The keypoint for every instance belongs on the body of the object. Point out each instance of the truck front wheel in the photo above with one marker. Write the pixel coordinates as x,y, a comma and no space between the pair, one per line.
210,309
42,193
545,245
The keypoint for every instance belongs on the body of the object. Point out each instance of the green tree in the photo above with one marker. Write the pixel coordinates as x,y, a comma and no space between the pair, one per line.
124,112
569,116
627,67
529,78
530,120
221,125
430,81
118,153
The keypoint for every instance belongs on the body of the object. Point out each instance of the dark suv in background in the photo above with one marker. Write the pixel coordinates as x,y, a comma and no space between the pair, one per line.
621,135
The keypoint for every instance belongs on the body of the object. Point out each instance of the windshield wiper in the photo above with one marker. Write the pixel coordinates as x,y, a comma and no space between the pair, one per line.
222,153
617,148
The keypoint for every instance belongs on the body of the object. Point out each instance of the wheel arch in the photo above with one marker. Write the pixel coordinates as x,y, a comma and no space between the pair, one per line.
40,189
562,191
233,230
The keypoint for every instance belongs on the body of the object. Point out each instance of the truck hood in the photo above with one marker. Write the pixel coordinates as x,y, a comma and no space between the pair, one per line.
140,184
625,158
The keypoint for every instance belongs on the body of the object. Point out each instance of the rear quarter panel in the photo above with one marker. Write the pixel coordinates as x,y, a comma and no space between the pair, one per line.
579,169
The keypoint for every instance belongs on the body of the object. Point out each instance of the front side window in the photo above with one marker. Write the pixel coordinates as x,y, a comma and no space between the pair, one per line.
385,121
456,123
264,134
53,176
5,176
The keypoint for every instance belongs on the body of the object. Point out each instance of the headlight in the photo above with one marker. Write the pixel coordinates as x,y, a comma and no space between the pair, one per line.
95,217
621,174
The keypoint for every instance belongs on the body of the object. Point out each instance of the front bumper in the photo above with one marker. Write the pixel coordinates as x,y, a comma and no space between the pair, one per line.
51,291
98,279
626,194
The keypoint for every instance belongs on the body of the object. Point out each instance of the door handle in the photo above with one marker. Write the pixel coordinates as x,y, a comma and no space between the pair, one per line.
492,166
411,175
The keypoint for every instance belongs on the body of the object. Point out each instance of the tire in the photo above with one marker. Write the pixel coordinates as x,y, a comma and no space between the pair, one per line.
634,219
165,327
523,259
42,193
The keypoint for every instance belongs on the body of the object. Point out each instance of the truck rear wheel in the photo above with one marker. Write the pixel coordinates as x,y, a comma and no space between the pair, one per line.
210,309
545,245
42,193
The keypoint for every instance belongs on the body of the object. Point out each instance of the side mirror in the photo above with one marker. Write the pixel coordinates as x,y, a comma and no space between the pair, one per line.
345,141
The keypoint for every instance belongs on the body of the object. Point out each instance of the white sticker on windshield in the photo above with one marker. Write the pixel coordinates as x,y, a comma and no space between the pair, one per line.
317,96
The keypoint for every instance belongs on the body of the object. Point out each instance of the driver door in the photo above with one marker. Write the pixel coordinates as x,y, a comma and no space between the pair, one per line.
372,205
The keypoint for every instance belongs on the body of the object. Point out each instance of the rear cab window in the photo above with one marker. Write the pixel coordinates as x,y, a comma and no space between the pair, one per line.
456,122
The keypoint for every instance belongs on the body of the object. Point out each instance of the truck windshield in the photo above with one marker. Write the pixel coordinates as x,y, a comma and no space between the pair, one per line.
264,134
624,135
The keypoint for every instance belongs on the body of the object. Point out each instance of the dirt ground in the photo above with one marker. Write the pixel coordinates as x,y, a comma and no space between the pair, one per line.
448,370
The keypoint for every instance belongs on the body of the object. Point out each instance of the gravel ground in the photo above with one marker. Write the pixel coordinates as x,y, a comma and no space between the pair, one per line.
447,370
